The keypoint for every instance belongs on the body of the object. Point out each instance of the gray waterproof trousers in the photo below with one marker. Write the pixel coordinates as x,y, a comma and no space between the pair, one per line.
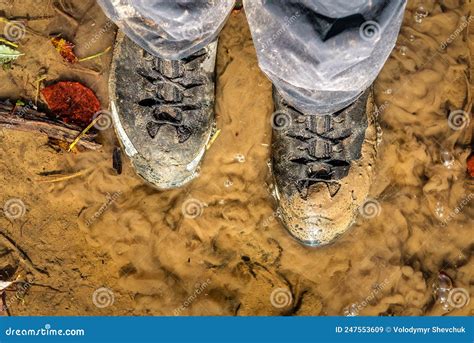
319,54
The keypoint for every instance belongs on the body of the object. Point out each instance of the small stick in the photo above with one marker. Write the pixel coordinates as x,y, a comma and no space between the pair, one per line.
22,18
78,138
38,122
38,88
66,177
96,55
213,139
12,245
13,45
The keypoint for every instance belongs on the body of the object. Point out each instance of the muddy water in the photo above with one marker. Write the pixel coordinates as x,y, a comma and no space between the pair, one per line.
104,243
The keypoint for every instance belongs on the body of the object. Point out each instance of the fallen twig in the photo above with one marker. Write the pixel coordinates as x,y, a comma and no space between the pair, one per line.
64,177
29,120
95,55
24,258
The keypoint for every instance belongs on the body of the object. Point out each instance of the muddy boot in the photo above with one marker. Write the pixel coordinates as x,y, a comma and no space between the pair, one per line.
322,166
163,111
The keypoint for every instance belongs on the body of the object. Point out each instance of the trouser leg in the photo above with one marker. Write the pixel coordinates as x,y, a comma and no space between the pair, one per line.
322,54
170,29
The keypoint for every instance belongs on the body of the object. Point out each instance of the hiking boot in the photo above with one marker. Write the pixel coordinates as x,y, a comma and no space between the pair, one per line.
163,110
322,166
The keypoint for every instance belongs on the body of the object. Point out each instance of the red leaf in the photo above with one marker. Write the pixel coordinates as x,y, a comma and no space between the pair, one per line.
71,101
470,165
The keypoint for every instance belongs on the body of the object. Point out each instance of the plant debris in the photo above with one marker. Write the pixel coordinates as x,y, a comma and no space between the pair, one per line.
83,133
7,42
237,7
38,82
470,165
8,55
213,138
65,49
95,55
53,178
71,101
117,160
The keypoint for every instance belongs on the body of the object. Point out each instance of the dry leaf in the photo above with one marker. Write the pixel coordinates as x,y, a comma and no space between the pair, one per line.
72,102
8,54
65,49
